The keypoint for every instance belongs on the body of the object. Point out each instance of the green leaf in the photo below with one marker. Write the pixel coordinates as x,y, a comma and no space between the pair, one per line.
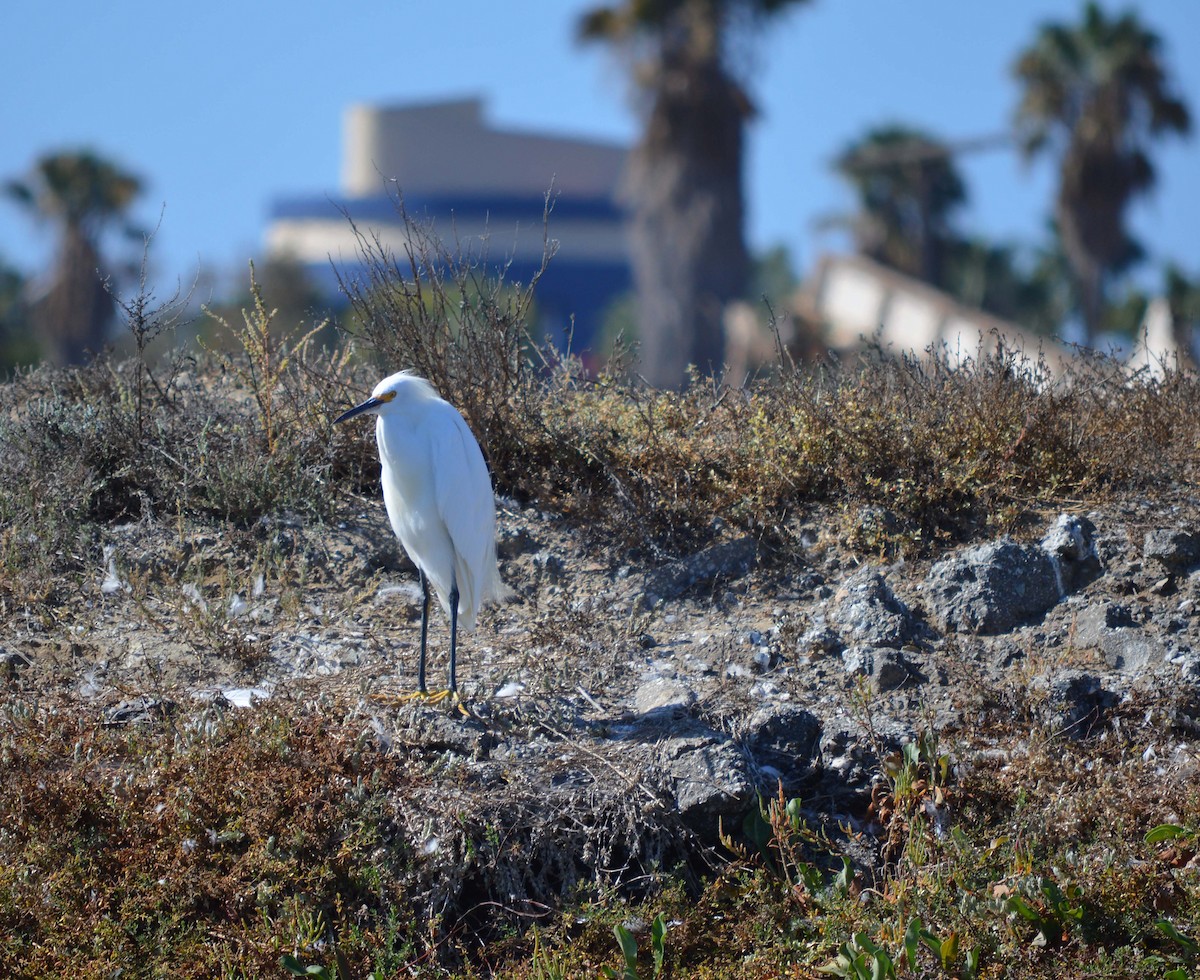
758,831
845,877
298,969
1017,904
948,951
1165,831
1167,928
912,940
882,968
658,933
628,949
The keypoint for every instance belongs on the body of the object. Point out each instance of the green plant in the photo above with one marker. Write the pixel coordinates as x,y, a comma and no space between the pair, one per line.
945,951
629,950
1185,950
298,969
1164,832
340,971
544,965
860,959
1051,910
783,840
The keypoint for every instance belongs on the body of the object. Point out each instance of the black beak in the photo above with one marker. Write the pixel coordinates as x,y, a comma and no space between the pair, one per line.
366,406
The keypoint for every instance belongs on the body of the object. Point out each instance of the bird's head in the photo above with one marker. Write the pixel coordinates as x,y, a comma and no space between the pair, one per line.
391,391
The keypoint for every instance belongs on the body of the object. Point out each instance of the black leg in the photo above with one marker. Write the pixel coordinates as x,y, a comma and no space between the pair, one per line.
424,630
453,635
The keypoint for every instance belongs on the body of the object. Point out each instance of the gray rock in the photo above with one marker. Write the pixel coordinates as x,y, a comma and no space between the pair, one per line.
1109,627
725,561
1094,621
710,780
886,669
1077,701
550,566
817,640
783,740
1132,651
12,661
867,613
436,733
1071,542
849,757
512,542
661,694
993,587
1175,549
141,710
1189,667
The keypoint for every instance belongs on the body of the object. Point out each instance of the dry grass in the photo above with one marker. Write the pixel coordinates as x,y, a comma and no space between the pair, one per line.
213,843
202,849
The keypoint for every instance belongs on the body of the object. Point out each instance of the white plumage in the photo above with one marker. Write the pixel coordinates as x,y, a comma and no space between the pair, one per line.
439,500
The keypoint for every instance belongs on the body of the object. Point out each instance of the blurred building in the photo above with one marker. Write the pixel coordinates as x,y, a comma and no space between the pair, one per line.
483,192
854,300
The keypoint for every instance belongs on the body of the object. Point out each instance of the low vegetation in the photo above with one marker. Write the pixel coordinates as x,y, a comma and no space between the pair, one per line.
206,842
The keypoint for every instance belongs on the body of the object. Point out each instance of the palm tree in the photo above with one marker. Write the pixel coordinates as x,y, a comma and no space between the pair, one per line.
16,344
1023,285
1183,299
684,181
908,188
1096,94
83,194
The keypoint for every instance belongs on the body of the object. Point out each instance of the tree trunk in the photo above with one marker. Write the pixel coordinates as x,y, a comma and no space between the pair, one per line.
1094,190
685,184
72,319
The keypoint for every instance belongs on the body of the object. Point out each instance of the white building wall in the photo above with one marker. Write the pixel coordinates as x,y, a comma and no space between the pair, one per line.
856,300
312,240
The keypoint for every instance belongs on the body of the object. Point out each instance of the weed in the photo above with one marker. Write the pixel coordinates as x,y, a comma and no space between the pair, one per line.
945,951
268,358
150,322
629,950
861,959
546,966
785,842
450,315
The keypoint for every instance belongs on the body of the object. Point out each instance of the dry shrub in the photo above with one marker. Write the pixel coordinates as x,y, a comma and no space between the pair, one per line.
945,451
195,851
219,840
450,316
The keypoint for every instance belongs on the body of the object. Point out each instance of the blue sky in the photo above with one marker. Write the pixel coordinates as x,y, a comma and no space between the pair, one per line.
221,106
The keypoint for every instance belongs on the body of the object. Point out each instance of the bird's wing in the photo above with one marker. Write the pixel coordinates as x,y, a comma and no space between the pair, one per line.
463,490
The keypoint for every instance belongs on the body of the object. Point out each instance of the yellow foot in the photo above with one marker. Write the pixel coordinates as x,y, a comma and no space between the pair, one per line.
425,697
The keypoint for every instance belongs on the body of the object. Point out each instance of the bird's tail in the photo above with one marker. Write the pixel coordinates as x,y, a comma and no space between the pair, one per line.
474,594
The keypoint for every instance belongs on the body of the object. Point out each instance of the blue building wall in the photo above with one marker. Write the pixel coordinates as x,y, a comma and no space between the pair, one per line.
576,284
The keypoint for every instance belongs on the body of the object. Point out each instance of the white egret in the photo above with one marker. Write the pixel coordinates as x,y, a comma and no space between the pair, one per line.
439,500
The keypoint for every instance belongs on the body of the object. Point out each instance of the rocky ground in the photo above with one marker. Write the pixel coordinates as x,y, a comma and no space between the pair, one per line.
622,716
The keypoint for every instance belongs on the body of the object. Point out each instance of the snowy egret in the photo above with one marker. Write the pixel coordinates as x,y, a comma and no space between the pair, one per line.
439,500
